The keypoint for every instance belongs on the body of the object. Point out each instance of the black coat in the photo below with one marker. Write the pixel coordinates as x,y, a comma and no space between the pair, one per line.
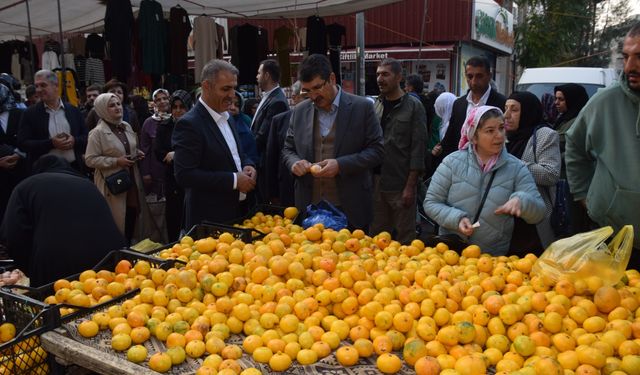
8,143
274,104
57,224
279,178
33,135
204,167
459,113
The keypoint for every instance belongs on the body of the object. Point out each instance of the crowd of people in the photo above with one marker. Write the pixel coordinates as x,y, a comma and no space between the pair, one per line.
491,162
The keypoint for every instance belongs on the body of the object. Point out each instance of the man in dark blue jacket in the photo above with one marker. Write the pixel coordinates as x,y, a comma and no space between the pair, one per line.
52,126
209,162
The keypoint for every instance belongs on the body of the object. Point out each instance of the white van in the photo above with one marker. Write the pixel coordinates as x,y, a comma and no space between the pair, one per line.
542,80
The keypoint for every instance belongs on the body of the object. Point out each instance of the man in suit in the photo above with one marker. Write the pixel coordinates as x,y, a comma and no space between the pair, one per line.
478,74
12,160
279,178
209,162
340,135
272,103
52,126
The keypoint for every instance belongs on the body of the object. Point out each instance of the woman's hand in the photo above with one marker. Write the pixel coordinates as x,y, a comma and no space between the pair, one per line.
139,155
124,162
465,227
512,207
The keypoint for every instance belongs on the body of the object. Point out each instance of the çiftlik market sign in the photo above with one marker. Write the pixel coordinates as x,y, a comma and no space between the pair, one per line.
493,26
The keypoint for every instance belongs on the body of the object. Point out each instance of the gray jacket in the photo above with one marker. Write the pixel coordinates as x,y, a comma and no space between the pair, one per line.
456,190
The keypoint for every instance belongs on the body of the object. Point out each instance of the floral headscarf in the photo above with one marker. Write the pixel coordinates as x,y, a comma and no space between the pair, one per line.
469,129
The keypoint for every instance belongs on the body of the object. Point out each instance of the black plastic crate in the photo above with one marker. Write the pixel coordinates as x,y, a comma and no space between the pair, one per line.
207,229
23,354
109,263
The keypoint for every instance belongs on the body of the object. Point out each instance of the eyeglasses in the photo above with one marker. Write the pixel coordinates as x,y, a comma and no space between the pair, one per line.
316,88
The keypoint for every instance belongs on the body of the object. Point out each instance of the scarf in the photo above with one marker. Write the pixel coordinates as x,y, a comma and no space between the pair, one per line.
101,105
7,101
182,96
530,117
468,130
444,107
575,97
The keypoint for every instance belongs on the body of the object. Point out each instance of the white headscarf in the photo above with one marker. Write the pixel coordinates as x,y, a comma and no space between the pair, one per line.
444,107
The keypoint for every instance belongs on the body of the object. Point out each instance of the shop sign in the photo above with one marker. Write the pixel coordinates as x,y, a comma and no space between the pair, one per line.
351,55
493,25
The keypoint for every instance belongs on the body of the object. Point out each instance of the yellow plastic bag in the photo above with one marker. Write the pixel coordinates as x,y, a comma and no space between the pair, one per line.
587,254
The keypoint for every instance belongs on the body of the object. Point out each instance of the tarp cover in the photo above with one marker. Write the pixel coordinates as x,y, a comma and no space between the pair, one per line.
88,15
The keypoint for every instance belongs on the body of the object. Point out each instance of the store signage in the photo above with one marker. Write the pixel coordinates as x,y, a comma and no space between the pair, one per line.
493,25
351,55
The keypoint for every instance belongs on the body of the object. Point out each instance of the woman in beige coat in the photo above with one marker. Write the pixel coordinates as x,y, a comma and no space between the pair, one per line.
112,146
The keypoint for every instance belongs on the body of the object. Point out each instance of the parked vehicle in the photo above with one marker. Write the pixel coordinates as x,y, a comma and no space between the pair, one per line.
542,80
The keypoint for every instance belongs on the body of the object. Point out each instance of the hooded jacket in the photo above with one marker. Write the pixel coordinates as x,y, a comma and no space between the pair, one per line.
602,153
456,190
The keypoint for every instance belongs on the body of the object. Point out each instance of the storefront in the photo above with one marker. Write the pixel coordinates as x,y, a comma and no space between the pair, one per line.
492,36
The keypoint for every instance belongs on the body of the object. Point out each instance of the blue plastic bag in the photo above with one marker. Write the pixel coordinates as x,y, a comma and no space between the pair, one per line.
326,214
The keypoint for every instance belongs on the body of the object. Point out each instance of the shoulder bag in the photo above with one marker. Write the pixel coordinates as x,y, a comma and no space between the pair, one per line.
119,182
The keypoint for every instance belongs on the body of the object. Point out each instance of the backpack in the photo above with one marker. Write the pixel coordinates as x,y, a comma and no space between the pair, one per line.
561,214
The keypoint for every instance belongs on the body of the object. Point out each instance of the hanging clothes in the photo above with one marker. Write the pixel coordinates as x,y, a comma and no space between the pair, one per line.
179,29
316,35
152,36
118,26
222,41
16,68
71,94
282,44
81,69
50,60
94,72
336,32
69,61
94,46
52,45
77,45
251,46
205,39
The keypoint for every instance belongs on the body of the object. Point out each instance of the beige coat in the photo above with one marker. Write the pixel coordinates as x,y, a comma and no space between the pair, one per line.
103,150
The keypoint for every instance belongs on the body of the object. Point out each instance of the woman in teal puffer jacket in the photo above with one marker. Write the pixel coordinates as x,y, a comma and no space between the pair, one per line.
462,178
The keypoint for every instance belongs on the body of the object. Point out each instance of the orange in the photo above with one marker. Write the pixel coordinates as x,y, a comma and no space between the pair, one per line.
389,363
382,344
347,355
427,366
470,364
195,348
123,266
160,362
87,328
413,350
139,335
279,362
290,212
137,354
606,299
307,357
120,342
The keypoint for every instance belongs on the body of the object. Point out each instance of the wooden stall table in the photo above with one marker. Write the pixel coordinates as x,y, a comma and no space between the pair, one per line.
74,352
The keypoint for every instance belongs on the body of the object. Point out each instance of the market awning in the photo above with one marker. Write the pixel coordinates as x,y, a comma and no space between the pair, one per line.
88,15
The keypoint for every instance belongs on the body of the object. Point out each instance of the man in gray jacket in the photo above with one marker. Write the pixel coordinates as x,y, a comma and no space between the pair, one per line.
403,122
333,142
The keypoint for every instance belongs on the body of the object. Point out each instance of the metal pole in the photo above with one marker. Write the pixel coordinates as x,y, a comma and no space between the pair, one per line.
360,62
31,57
424,21
64,68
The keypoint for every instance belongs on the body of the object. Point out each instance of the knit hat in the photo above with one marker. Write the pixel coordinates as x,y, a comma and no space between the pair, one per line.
101,105
471,124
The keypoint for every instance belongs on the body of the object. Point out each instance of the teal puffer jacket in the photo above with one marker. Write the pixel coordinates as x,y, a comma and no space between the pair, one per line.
457,188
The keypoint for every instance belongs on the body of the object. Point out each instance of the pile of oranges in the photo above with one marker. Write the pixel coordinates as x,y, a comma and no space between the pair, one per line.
298,295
